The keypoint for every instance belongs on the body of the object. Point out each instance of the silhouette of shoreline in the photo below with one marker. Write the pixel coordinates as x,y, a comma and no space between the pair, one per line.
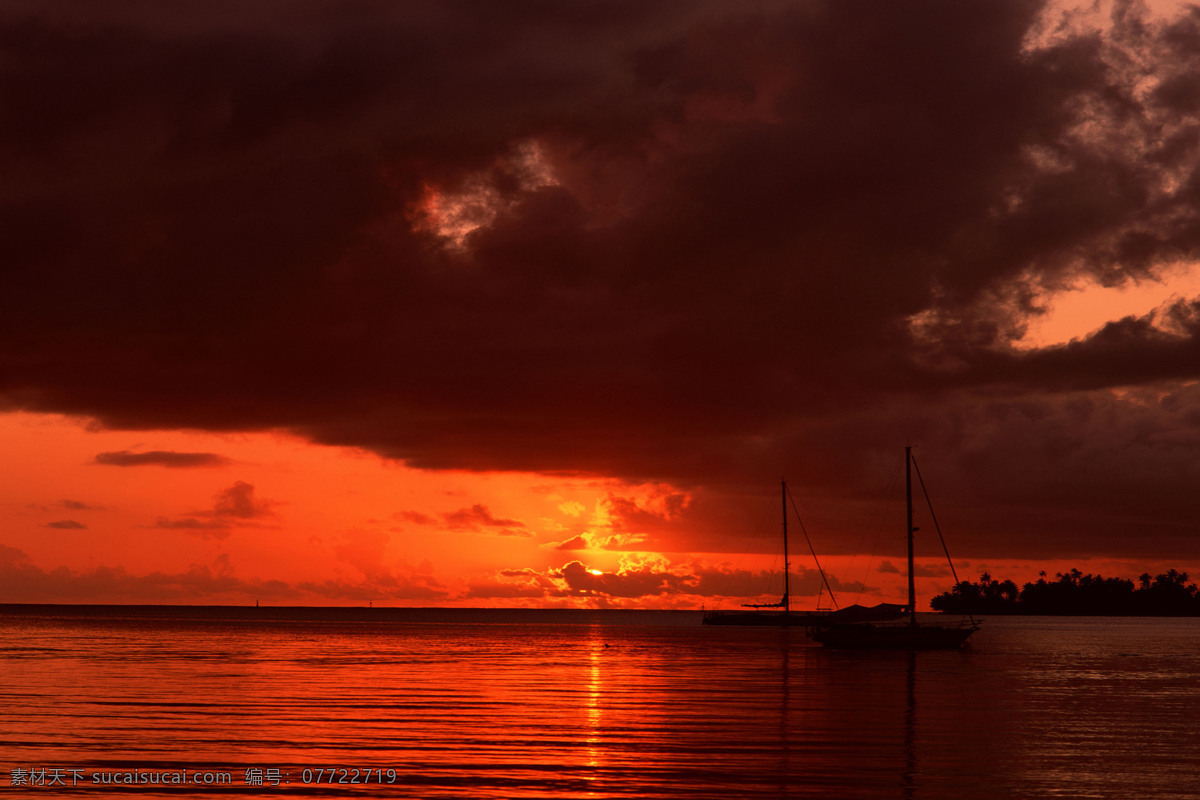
1169,594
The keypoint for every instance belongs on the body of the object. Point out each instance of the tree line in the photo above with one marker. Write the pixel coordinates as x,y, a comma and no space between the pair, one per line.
1167,594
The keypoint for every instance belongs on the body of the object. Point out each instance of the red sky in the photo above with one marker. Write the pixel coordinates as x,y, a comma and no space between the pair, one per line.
492,304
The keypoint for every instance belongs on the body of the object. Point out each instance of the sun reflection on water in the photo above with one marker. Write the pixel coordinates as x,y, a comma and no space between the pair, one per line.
595,694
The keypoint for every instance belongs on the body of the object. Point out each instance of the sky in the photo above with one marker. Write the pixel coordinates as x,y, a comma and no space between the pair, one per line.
535,303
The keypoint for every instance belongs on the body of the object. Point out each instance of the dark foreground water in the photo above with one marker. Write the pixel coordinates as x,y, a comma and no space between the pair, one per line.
514,704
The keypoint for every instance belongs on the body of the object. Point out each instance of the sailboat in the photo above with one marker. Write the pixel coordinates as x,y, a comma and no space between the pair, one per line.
758,617
909,634
781,615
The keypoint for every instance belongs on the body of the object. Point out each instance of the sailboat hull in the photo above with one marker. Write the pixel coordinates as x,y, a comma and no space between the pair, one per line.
913,636
893,637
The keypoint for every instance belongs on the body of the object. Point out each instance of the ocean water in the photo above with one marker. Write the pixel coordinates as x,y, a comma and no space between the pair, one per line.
538,704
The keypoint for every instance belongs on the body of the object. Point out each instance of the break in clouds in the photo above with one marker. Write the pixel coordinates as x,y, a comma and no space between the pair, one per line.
699,243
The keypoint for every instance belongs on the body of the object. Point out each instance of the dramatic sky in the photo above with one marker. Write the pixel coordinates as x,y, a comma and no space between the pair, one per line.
535,302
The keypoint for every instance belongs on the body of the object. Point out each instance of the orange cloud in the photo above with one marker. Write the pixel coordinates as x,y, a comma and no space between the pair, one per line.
647,579
234,506
238,502
415,517
207,529
24,582
160,458
575,543
478,517
78,505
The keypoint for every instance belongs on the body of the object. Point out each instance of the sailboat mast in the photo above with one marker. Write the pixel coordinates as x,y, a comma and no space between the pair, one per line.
912,588
787,595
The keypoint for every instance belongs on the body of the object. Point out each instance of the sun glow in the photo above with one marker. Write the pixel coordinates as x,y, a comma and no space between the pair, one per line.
235,518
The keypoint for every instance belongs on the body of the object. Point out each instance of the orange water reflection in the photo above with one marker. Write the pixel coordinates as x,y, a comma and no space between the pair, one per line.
607,710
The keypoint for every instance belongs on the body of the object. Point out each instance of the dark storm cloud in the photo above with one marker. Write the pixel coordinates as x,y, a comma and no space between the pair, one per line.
707,236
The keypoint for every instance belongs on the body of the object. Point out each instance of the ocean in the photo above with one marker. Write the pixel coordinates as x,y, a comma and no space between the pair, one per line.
456,703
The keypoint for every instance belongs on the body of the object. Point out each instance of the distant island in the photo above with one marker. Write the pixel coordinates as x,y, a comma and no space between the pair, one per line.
1168,594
